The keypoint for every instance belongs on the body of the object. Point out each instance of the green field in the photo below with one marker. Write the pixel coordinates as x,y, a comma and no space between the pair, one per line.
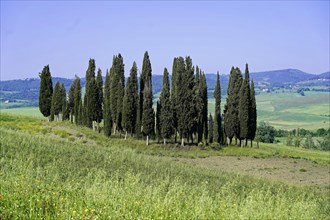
61,171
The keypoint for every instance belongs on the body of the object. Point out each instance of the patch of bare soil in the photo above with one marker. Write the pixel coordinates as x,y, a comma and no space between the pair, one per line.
291,171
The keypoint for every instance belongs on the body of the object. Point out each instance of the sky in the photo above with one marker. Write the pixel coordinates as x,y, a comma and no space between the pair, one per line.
215,34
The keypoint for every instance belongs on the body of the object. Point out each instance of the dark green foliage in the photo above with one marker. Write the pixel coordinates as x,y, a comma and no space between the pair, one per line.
148,117
77,101
57,100
166,113
231,123
90,99
217,114
253,114
65,110
117,84
99,100
185,98
45,92
130,105
205,104
71,99
106,106
266,132
145,75
244,107
138,120
158,124
210,129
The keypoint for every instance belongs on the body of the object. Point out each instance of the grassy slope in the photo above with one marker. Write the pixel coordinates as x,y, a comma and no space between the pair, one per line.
58,171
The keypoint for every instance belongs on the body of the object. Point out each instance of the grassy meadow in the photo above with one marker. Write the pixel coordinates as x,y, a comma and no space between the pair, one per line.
61,171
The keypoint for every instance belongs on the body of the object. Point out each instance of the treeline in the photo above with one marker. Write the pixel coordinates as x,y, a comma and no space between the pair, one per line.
127,108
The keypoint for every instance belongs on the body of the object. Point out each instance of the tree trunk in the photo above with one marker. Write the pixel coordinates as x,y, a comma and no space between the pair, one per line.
114,128
182,142
164,141
126,135
251,143
246,141
147,140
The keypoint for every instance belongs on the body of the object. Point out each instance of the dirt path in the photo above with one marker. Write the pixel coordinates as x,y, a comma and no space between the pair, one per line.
292,171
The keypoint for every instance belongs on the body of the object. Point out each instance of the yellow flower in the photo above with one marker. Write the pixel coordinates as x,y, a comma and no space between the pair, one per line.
86,210
74,212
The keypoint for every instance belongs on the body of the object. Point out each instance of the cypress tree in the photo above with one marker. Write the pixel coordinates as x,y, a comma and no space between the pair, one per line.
198,100
145,75
157,122
90,99
45,92
117,90
217,114
232,125
253,114
166,113
205,106
99,100
57,101
71,100
77,101
148,117
131,101
106,106
174,93
244,107
210,129
64,109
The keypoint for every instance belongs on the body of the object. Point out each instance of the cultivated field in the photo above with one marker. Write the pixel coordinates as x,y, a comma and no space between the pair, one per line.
61,171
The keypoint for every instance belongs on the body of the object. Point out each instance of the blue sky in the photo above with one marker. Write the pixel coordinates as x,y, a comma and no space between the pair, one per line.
216,34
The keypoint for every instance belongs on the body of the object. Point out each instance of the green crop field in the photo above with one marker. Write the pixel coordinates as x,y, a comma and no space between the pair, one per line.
291,110
61,171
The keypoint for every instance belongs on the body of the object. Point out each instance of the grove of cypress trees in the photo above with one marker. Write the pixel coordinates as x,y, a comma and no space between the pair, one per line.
130,104
185,108
231,125
217,114
166,113
244,107
106,106
45,92
253,114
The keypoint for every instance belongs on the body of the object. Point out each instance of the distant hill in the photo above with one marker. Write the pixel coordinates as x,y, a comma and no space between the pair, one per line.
28,89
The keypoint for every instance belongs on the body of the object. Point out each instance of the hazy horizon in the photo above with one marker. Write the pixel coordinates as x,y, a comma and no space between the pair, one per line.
217,35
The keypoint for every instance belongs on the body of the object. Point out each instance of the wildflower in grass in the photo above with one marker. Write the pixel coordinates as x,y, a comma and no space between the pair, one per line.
74,213
86,209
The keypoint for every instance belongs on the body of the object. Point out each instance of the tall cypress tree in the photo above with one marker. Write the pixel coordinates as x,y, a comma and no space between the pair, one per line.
117,90
244,107
145,75
131,102
148,117
77,101
217,114
205,106
157,122
198,100
64,110
106,106
253,114
166,113
71,99
90,94
57,100
210,137
232,125
174,93
45,92
99,98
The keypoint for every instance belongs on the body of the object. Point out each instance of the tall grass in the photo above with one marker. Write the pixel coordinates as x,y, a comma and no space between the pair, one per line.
48,177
